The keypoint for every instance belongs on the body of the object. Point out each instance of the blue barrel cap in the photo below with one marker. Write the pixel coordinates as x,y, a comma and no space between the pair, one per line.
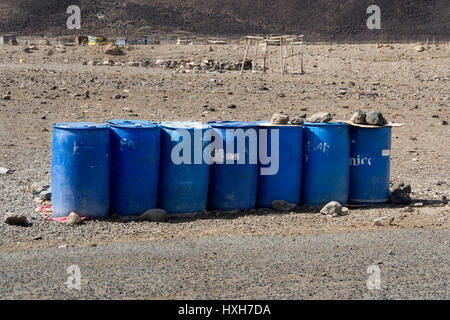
187,125
233,124
120,123
80,125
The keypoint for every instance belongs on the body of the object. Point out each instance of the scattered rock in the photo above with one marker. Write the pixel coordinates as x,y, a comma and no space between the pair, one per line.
133,63
5,171
407,189
419,48
281,205
332,207
399,196
113,50
231,106
279,118
297,120
375,118
154,215
73,219
321,117
6,97
359,117
379,222
15,219
46,194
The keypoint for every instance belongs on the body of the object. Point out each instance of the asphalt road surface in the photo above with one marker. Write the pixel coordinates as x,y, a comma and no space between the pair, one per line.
407,264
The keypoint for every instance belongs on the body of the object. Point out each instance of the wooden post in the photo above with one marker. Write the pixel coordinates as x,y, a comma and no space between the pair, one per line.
256,56
265,54
292,56
301,63
248,41
281,57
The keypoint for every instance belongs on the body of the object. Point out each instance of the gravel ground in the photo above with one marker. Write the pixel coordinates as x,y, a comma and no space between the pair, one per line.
326,266
406,86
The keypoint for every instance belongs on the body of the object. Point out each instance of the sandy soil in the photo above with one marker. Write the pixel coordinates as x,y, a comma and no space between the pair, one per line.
407,86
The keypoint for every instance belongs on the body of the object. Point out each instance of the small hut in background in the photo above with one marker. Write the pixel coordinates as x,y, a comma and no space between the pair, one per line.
10,39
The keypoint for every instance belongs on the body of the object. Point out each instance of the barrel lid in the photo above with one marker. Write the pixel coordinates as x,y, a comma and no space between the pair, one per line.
120,123
80,125
187,125
233,124
387,125
268,124
339,123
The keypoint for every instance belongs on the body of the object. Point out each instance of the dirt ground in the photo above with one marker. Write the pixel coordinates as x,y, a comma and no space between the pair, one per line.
406,86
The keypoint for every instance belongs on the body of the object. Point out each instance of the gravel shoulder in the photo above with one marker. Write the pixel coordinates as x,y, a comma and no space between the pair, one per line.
412,264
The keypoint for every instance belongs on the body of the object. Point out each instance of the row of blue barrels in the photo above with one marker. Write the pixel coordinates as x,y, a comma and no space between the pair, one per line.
127,167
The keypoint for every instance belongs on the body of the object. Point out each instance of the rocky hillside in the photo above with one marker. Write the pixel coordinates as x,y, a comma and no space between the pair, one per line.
318,19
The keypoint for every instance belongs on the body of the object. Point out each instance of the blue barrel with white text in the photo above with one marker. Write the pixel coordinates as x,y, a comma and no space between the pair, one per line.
370,151
234,173
326,156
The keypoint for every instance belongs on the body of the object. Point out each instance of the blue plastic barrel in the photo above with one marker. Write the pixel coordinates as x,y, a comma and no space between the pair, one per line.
280,181
370,150
135,146
184,173
326,156
80,169
233,183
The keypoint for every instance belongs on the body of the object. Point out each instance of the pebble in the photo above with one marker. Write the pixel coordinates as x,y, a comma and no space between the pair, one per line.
399,196
15,219
281,205
73,219
379,221
359,117
154,215
4,170
375,118
407,189
279,118
332,208
322,117
46,194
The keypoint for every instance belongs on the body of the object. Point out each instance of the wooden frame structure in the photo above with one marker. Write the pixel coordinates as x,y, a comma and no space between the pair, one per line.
288,53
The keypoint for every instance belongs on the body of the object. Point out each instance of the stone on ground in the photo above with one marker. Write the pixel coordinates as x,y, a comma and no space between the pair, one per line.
15,219
281,205
154,215
332,207
113,49
73,219
399,196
